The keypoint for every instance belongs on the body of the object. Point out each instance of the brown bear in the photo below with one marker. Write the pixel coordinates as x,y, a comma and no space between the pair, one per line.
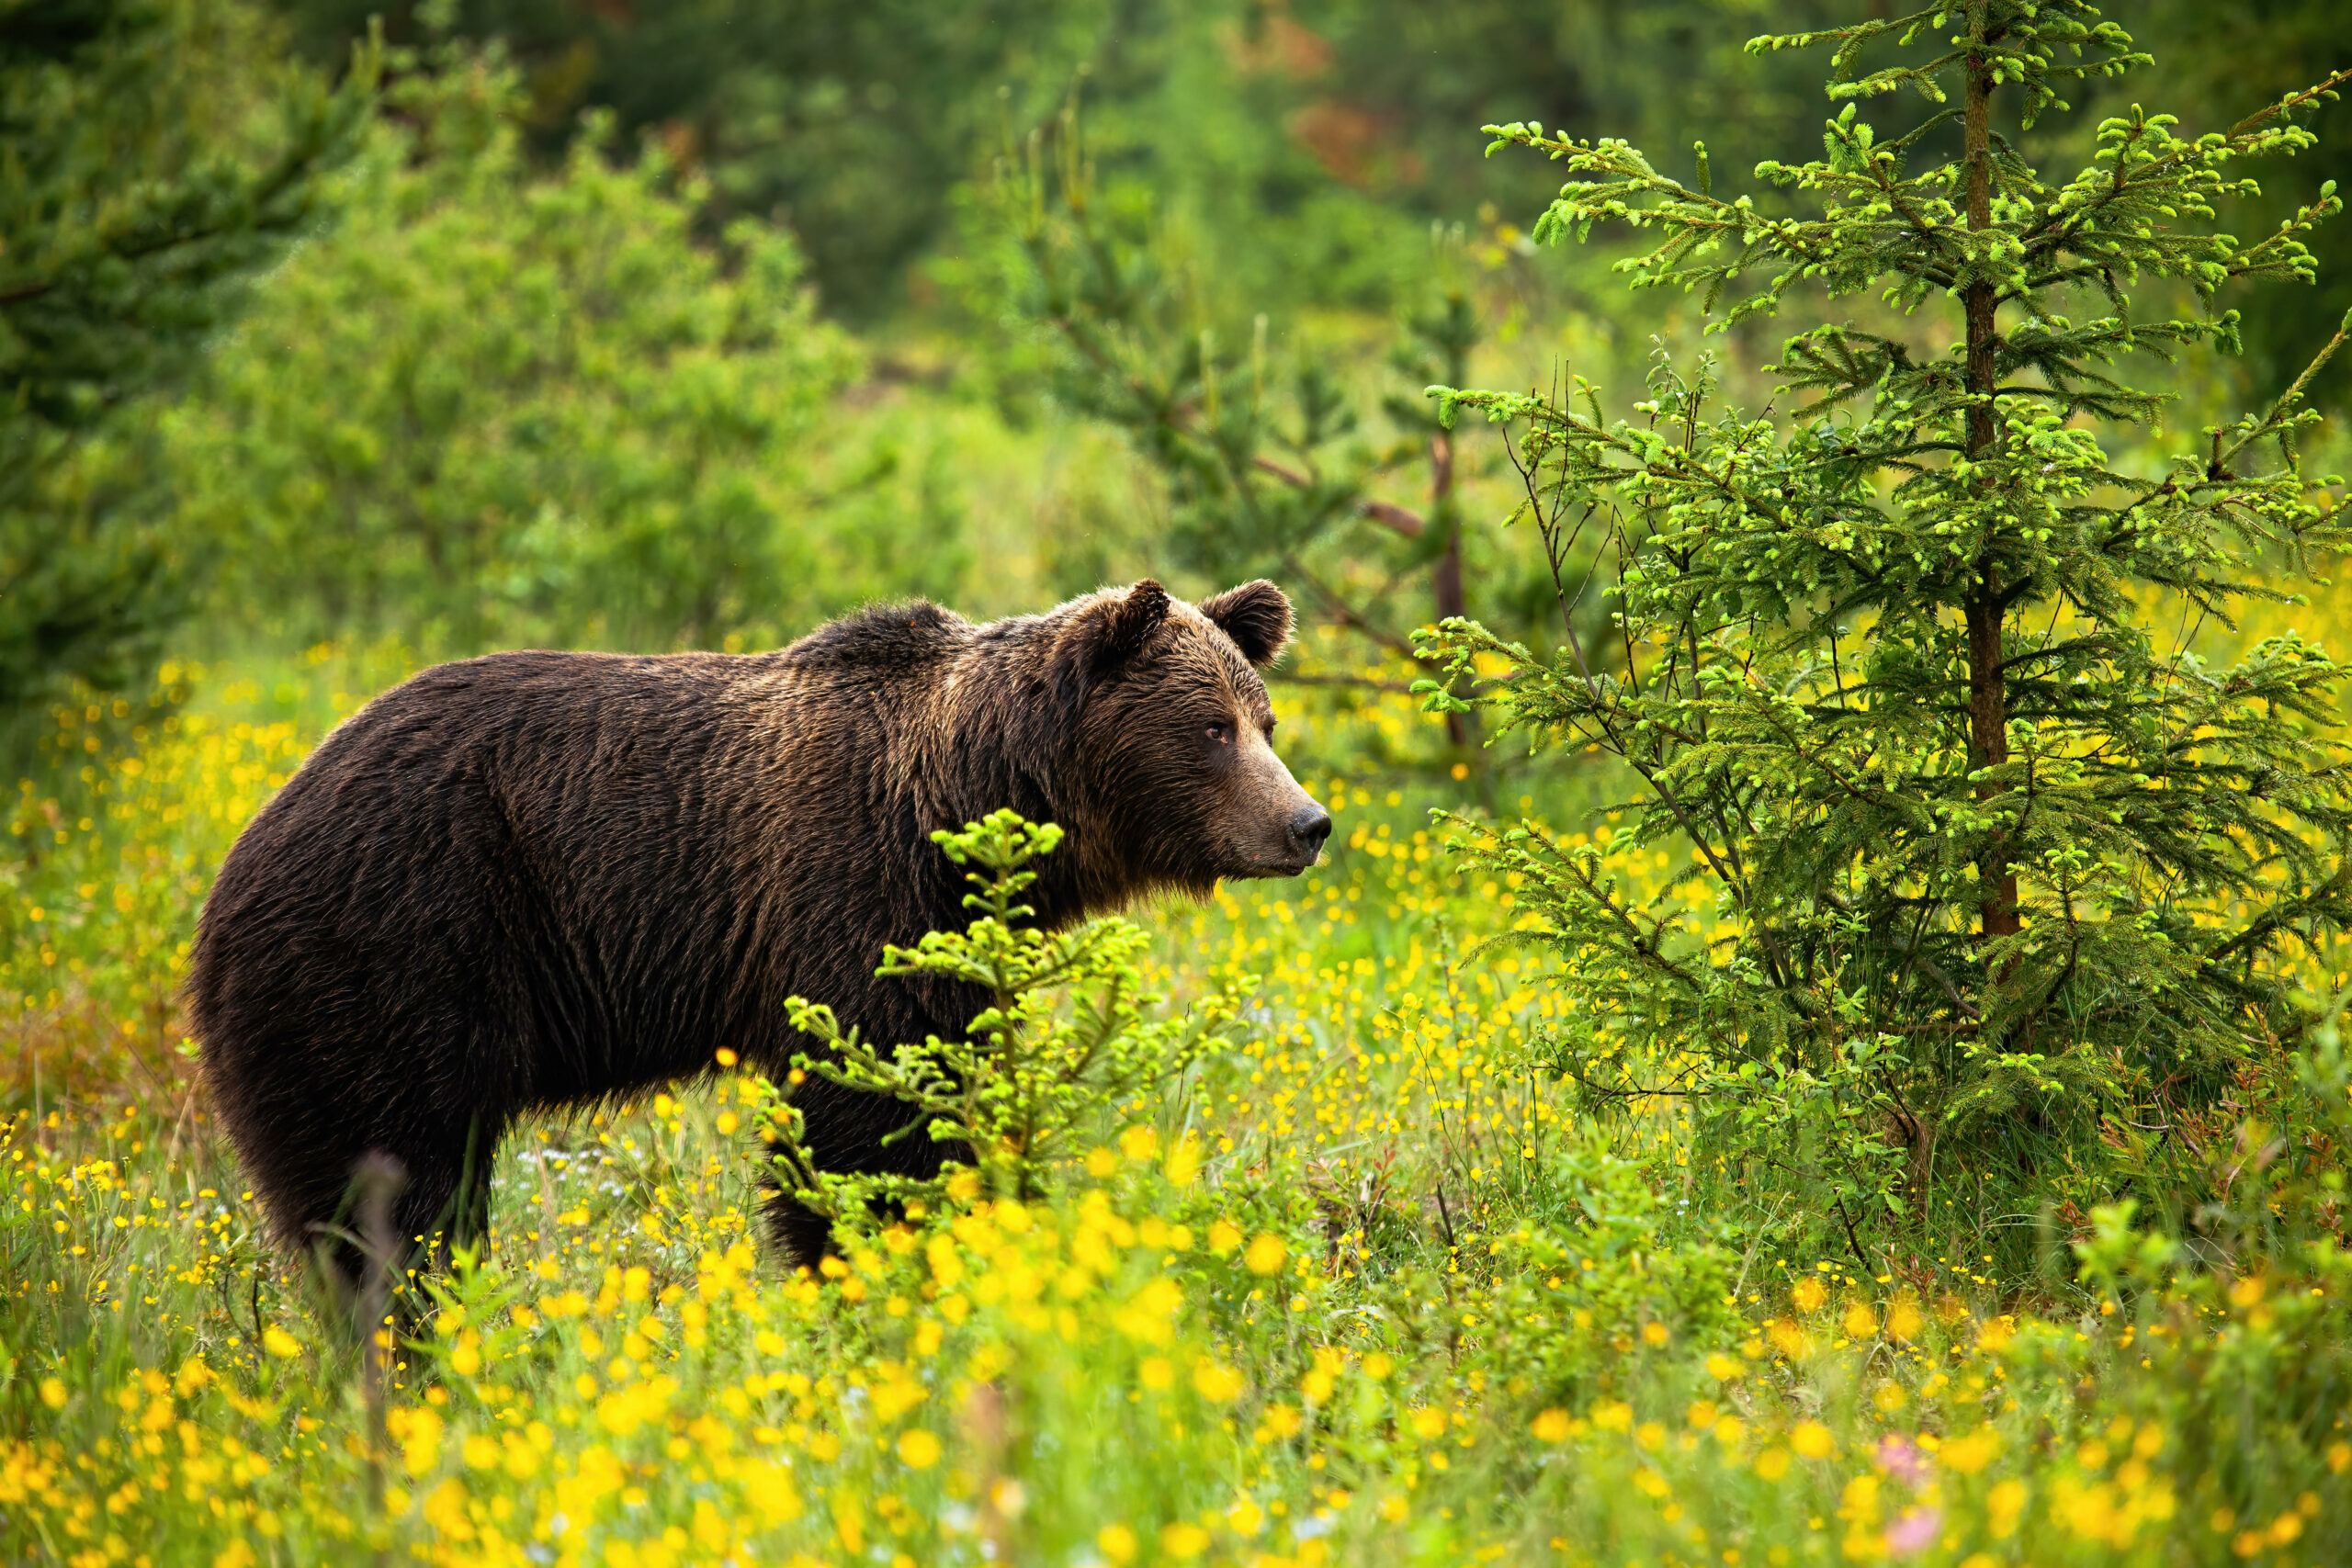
538,880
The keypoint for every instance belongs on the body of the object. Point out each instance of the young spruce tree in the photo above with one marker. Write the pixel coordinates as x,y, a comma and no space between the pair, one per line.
1994,894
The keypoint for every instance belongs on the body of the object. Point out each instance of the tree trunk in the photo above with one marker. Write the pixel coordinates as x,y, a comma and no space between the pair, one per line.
1988,741
1445,578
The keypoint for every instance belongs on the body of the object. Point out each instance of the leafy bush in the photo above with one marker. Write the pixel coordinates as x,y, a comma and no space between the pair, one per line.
497,409
1271,463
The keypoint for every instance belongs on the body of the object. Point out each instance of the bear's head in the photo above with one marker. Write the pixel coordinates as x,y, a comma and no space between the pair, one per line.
1172,737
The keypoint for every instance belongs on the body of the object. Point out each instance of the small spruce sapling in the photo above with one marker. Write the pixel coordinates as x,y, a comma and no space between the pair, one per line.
1063,1049
1990,886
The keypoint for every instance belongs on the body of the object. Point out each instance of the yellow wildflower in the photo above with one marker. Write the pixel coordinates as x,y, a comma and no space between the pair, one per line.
1971,1453
1183,1540
2003,1505
1216,1382
1184,1161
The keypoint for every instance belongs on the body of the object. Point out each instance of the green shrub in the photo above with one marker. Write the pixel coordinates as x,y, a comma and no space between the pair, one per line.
491,407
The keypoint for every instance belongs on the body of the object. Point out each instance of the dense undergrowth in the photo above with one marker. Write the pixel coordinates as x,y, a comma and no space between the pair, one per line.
1365,1286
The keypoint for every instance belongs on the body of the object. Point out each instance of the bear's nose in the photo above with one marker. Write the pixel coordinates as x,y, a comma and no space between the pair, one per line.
1310,826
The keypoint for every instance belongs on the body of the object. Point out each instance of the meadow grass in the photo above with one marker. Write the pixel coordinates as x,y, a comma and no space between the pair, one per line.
1364,1290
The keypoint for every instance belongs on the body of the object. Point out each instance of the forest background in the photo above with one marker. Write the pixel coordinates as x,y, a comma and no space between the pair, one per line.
657,329
614,325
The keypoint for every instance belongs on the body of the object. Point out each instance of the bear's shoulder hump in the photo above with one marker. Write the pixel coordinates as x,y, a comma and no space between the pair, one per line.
883,635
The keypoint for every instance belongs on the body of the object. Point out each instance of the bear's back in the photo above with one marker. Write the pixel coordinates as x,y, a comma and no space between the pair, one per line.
882,640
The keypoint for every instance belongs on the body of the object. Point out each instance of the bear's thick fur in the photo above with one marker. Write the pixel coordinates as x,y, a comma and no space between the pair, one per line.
536,880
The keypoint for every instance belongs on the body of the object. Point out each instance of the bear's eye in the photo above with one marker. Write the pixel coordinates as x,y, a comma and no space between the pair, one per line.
1221,734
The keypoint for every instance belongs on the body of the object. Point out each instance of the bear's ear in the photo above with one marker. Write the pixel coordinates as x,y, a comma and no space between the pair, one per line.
1255,616
1108,633
1133,620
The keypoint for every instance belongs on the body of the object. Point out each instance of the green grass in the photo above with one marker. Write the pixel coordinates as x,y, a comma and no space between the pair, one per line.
1364,1290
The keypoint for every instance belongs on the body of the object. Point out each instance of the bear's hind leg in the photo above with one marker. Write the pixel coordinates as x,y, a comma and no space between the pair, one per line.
444,1201
802,1236
406,1204
356,1221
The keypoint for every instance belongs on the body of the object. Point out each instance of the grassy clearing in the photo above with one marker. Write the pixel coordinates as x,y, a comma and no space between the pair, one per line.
1368,1290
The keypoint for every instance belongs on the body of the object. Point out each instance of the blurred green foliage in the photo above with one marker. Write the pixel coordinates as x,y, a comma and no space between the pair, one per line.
152,160
1317,136
2222,62
849,124
493,407
557,378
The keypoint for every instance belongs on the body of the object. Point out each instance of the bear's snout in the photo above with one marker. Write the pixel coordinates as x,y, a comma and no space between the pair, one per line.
1287,826
1310,826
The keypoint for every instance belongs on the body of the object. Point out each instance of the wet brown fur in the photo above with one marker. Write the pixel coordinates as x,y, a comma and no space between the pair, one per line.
538,880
